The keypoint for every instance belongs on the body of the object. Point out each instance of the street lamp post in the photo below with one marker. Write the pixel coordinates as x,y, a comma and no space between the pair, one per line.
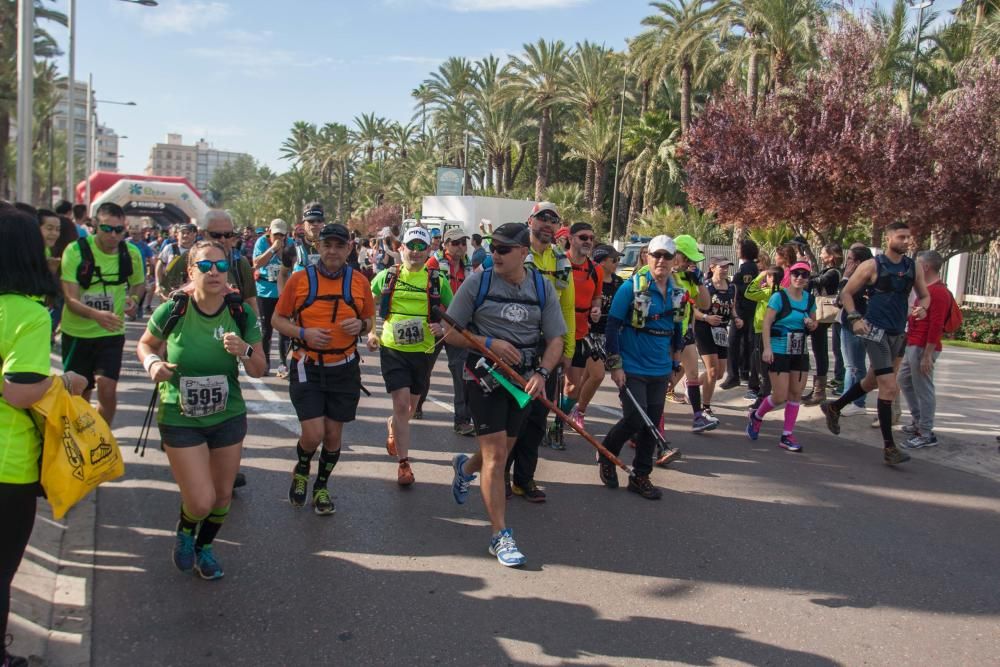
618,159
916,48
92,134
25,95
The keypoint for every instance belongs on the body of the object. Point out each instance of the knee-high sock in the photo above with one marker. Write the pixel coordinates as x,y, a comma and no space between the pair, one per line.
694,395
849,396
188,522
791,414
211,525
327,462
305,459
765,406
885,422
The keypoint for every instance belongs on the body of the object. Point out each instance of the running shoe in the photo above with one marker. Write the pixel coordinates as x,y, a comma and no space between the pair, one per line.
239,481
702,423
529,492
640,484
668,456
790,443
404,476
894,456
910,430
322,502
753,425
850,410
505,549
184,551
577,417
709,415
609,476
282,371
298,490
674,397
730,383
921,441
418,413
460,481
465,429
390,439
751,395
832,415
207,567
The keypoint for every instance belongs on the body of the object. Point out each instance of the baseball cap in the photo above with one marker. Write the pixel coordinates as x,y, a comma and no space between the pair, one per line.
188,227
604,251
688,247
512,233
455,234
543,206
416,234
279,226
562,233
719,260
435,233
662,243
313,211
578,227
334,231
800,266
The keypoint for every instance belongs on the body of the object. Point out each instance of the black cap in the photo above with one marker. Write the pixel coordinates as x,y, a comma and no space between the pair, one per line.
334,231
313,211
512,233
580,227
603,251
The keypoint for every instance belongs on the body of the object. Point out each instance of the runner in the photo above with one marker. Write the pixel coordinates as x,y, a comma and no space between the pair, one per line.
642,336
690,299
304,251
588,278
888,279
455,265
711,332
512,311
607,258
552,263
102,282
408,295
192,348
267,265
185,236
325,377
790,316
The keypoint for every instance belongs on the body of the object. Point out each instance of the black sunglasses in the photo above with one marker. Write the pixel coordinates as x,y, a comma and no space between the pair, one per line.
585,237
502,249
800,274
548,217
222,235
117,229
661,255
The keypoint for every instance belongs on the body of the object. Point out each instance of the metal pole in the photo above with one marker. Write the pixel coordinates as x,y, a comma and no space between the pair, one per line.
48,197
90,140
70,194
618,159
465,166
25,96
916,54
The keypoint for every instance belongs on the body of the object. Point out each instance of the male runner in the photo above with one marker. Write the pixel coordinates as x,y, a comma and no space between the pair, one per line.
102,282
607,258
691,298
588,276
515,313
408,295
186,234
323,310
887,279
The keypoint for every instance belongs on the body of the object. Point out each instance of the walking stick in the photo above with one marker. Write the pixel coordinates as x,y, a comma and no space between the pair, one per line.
664,454
518,380
147,423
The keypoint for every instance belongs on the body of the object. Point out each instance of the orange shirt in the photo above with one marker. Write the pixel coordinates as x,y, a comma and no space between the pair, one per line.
587,279
321,312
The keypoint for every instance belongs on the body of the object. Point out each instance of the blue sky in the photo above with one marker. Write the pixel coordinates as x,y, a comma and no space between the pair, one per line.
238,73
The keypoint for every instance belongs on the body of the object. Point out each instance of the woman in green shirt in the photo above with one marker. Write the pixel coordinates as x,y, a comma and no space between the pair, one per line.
25,325
202,417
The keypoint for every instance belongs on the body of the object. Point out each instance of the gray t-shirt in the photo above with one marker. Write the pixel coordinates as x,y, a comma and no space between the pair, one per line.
509,312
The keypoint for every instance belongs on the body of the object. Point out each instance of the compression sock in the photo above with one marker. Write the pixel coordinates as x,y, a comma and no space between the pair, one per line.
188,522
765,406
694,396
305,459
885,422
567,403
791,414
849,396
211,525
327,462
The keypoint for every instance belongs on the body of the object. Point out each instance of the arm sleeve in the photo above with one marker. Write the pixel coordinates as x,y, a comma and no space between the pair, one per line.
567,305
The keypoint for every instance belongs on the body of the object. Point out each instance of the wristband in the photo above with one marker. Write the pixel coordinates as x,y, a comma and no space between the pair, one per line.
544,372
66,382
489,342
854,316
613,362
302,333
150,359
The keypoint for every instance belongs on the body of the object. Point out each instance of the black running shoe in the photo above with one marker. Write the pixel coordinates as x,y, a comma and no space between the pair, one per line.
894,456
832,415
609,476
240,481
640,484
298,491
529,492
730,383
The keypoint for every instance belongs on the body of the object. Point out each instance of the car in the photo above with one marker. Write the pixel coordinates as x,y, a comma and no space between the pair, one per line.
629,258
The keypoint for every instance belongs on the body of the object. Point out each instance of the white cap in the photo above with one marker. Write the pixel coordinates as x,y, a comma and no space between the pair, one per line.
661,243
416,234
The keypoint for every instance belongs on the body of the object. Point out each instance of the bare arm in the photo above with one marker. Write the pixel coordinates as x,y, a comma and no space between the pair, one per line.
861,278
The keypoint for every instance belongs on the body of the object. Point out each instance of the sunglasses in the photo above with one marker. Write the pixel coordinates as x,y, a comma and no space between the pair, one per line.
462,242
502,249
548,217
205,265
801,275
661,255
222,235
416,246
107,229
585,237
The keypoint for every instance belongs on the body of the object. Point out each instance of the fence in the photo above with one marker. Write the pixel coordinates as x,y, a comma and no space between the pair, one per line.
982,280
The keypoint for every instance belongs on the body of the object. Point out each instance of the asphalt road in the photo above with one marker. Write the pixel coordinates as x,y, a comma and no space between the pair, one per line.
753,556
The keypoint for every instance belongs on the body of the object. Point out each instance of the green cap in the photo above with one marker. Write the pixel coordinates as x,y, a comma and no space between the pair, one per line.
687,246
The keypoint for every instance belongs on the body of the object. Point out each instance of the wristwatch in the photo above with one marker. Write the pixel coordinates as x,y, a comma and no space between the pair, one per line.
249,353
544,372
854,316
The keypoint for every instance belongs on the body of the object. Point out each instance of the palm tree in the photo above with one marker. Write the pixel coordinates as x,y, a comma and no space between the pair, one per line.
538,75
654,172
593,140
450,93
422,94
592,79
370,130
788,34
331,154
497,120
299,142
293,189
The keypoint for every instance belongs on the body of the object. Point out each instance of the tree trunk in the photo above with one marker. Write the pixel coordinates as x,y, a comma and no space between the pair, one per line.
753,80
488,178
4,141
635,205
644,100
649,192
600,176
588,183
685,98
340,196
521,153
542,172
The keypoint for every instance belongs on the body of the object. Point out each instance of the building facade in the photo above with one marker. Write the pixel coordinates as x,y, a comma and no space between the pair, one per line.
105,138
196,162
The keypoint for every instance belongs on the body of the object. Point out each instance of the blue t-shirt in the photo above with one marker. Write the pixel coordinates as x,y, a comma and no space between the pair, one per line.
267,275
644,353
793,322
144,251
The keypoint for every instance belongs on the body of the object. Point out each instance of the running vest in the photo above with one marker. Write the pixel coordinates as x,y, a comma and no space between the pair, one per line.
787,308
312,296
88,269
888,297
639,310
561,274
433,293
591,271
181,299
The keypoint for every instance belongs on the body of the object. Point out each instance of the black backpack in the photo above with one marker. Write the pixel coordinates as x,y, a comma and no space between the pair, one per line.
88,269
181,300
787,308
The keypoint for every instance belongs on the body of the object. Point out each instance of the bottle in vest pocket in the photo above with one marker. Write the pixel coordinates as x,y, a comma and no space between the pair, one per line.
641,309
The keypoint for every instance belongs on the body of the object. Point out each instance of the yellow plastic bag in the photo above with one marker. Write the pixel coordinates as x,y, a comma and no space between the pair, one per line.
78,450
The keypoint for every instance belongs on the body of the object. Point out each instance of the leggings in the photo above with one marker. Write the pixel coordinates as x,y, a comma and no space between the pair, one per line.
17,518
267,305
821,349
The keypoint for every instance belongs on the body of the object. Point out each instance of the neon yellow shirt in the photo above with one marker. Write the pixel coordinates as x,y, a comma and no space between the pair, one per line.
98,294
408,310
546,263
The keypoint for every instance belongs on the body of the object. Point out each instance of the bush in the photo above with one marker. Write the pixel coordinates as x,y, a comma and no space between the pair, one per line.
979,326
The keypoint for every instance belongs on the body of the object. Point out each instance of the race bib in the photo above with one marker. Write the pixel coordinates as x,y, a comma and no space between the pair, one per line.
721,336
408,332
104,302
795,343
203,396
874,334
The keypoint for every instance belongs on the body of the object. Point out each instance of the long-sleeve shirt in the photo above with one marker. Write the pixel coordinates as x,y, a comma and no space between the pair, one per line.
758,294
928,330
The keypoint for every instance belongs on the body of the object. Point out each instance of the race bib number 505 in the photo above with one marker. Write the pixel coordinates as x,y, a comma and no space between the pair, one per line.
203,396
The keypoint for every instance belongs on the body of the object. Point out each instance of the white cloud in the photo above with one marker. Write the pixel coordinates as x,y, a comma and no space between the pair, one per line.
509,5
183,17
416,60
256,62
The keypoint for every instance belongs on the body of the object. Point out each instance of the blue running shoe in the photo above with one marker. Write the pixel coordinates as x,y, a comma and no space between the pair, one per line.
207,567
753,425
184,551
460,482
505,549
790,443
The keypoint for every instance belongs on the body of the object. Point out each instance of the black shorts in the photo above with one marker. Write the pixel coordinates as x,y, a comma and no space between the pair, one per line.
93,356
325,391
405,369
582,354
788,363
706,342
226,434
883,354
688,338
496,411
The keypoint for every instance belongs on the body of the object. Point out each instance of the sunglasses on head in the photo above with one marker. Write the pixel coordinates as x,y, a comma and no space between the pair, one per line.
800,274
222,235
502,249
117,229
663,254
205,265
416,246
585,237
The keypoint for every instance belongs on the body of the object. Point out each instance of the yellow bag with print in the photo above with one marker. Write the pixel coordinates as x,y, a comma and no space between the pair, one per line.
78,450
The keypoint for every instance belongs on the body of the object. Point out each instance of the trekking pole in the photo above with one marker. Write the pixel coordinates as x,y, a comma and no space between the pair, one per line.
517,379
147,423
667,453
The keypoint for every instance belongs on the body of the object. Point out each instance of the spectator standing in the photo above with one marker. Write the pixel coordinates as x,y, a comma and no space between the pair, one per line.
741,338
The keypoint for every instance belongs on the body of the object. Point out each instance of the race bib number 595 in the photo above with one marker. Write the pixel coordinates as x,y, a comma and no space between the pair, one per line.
203,396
